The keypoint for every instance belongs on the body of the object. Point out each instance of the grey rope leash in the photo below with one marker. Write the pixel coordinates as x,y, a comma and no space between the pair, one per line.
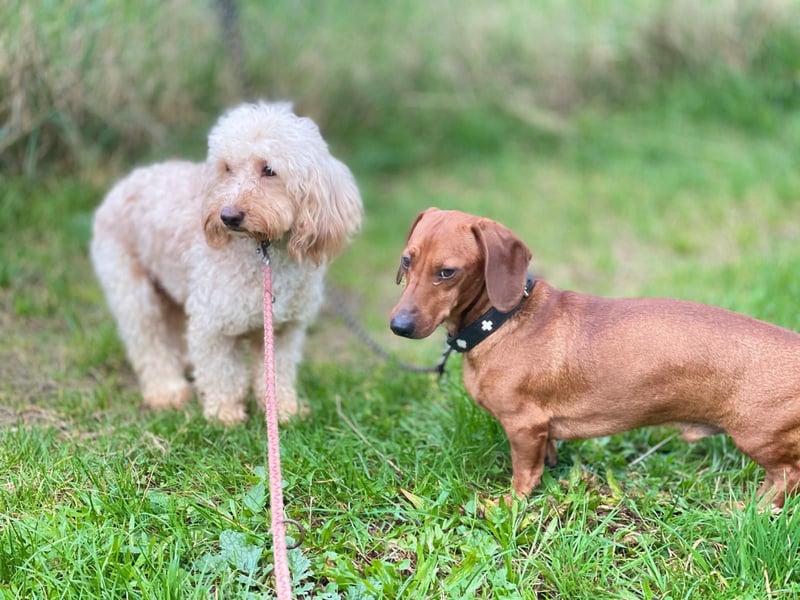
338,304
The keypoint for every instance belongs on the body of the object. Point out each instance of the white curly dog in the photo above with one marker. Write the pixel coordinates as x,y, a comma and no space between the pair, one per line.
174,248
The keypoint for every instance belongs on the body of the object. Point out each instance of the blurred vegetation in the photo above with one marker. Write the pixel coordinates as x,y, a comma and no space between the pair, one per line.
94,84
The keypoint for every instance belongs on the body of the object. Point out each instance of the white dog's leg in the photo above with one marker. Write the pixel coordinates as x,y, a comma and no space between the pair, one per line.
220,372
141,312
288,344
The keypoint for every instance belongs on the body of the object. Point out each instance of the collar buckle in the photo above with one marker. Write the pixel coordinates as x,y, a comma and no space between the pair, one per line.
485,325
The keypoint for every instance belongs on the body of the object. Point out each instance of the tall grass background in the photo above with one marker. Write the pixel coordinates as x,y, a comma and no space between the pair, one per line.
82,81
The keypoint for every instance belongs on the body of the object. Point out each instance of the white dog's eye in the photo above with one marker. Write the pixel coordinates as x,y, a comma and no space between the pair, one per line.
267,171
227,168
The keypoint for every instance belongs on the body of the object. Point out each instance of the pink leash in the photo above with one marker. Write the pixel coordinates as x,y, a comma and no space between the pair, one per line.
283,581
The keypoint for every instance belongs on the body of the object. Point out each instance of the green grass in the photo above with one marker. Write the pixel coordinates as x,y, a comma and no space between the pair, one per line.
641,153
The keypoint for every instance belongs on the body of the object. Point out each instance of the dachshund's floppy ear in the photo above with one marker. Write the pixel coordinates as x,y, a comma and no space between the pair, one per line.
401,270
506,263
329,212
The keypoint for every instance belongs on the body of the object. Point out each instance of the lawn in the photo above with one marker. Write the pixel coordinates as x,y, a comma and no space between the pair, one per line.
394,475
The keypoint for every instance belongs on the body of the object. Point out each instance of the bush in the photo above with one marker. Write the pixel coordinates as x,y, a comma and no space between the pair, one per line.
90,80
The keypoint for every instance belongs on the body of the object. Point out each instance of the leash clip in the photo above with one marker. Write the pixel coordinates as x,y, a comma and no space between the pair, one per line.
526,291
263,250
439,369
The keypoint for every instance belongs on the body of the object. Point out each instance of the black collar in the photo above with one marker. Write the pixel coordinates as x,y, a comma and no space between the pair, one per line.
485,325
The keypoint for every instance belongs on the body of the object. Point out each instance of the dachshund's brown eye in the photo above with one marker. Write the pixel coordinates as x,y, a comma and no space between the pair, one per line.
445,273
405,262
267,171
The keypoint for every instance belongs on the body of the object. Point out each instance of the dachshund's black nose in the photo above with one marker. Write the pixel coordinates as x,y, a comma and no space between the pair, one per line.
232,216
402,324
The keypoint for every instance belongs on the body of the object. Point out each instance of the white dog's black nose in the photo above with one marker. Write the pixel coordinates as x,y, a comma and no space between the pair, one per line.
232,216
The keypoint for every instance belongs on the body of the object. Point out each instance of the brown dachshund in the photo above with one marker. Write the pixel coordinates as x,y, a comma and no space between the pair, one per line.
559,365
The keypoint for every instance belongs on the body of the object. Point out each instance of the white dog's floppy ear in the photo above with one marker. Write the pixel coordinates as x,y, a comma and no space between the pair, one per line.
328,212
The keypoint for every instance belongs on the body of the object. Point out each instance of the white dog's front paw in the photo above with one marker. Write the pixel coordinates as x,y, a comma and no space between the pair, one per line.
228,414
292,410
172,396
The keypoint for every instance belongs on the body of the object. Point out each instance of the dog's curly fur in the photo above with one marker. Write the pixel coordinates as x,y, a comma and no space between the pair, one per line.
174,248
